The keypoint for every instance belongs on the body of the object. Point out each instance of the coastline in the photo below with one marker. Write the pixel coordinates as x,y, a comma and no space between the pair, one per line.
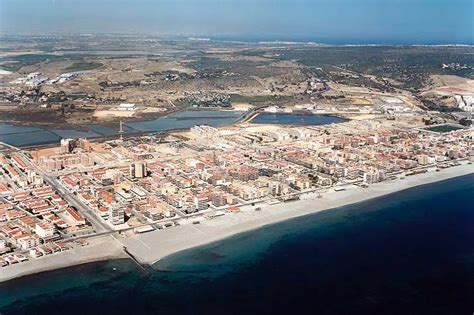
170,241
100,248
150,248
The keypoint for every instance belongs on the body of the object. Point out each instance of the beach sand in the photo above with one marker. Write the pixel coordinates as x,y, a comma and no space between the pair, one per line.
151,247
99,248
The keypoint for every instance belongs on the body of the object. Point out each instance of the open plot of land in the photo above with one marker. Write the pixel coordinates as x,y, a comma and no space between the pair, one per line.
79,78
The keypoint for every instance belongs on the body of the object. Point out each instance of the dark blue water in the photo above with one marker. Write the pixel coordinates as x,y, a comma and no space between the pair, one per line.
407,253
297,119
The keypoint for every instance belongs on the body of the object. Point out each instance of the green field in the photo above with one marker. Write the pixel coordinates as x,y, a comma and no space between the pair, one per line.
237,98
83,66
443,128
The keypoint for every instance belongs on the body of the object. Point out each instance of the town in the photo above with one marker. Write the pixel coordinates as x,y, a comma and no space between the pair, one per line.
54,199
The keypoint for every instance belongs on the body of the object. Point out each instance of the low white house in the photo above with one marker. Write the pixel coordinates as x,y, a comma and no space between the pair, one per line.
127,107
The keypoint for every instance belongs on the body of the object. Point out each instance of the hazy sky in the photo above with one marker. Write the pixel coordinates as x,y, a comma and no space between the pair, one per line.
423,21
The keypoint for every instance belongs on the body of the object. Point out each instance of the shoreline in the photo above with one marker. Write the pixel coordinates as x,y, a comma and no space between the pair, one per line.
152,247
171,241
100,248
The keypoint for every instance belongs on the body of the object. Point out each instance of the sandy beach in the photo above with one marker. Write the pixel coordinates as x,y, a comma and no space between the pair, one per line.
151,247
100,248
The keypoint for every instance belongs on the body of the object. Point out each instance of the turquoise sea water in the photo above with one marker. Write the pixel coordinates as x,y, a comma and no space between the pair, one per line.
411,252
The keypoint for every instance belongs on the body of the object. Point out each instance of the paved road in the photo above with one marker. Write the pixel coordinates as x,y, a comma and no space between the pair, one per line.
84,210
98,225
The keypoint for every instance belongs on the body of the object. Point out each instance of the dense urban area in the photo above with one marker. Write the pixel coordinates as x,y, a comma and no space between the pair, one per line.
401,112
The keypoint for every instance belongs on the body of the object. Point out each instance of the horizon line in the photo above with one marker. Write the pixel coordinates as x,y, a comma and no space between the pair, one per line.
256,39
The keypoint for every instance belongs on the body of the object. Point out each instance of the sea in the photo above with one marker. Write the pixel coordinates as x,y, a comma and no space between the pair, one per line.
411,252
